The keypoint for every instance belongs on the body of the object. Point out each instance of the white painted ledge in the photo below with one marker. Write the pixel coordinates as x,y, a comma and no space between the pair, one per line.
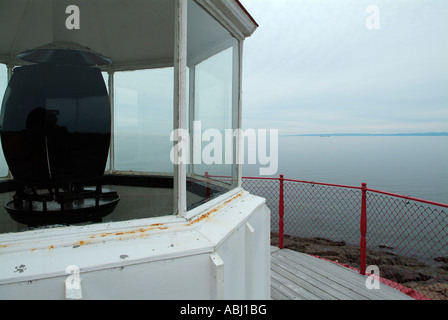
169,258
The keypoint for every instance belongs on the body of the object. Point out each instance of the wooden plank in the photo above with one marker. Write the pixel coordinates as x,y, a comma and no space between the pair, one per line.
347,277
331,290
344,277
323,279
289,294
294,284
277,295
282,285
334,276
302,281
274,249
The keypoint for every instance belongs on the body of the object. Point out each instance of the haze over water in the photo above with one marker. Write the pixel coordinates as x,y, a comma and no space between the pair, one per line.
407,165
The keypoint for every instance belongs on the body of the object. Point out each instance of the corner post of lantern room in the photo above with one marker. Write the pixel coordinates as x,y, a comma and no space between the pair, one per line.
180,106
237,114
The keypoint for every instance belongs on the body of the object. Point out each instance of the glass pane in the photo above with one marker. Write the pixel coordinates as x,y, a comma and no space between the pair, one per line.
144,120
212,62
3,85
213,111
142,110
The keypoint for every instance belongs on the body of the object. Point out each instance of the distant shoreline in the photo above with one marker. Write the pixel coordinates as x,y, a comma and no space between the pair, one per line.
427,134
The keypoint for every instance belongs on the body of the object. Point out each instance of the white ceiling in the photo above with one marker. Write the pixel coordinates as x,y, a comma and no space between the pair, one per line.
138,31
130,32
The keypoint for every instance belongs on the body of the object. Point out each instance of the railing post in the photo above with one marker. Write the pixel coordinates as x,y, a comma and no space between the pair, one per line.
281,213
363,227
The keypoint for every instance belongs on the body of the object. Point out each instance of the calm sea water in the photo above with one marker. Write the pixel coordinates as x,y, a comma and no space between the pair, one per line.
407,165
410,165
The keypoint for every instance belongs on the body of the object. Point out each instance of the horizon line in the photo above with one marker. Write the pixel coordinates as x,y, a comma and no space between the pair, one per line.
371,134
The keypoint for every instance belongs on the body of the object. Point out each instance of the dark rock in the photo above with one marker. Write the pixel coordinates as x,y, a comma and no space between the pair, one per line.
385,247
325,253
382,260
401,275
329,242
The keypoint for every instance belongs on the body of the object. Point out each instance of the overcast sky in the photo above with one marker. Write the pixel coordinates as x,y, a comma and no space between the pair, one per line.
313,66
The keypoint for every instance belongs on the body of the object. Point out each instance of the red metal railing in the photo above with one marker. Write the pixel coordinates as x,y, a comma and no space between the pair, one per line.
405,237
363,229
281,213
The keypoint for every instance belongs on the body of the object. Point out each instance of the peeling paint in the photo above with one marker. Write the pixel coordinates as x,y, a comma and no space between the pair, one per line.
103,235
140,232
203,217
144,232
208,214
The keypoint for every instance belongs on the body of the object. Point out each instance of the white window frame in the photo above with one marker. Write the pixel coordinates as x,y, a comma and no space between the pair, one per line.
180,214
8,76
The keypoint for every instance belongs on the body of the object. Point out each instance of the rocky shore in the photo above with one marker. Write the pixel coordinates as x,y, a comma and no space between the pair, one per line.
428,280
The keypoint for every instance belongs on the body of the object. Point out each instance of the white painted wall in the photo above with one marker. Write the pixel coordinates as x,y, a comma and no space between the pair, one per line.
220,254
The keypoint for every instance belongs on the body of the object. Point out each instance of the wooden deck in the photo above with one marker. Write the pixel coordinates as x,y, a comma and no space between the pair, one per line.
297,276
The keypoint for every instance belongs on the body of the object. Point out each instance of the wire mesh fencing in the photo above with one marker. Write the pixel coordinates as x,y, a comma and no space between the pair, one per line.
406,238
408,242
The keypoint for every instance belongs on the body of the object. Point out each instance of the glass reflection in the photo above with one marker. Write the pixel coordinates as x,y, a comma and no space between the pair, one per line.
55,124
213,107
144,120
